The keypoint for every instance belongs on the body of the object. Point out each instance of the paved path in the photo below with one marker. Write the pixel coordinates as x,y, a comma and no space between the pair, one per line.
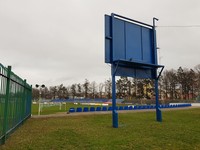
65,114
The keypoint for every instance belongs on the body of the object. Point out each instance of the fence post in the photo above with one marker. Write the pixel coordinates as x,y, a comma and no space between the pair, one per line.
23,102
5,122
30,101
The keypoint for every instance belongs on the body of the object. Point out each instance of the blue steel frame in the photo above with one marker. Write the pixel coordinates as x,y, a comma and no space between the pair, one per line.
129,67
158,111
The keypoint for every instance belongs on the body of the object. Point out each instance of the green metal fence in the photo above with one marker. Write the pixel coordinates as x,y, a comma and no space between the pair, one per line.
15,102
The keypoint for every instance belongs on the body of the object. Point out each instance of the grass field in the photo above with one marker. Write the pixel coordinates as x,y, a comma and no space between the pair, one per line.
52,109
179,130
55,109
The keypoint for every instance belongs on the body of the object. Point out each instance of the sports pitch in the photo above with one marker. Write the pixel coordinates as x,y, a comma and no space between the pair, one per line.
179,130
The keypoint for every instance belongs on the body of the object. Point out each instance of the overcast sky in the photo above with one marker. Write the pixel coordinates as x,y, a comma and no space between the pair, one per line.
62,41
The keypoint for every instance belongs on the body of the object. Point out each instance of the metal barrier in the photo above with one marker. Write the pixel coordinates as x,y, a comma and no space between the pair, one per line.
15,102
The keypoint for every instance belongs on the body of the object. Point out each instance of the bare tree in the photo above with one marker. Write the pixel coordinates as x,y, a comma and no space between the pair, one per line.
108,86
35,94
93,89
119,88
61,91
191,83
134,85
53,91
140,88
165,84
86,88
79,90
124,86
129,88
182,80
73,90
101,85
172,80
174,84
197,70
45,93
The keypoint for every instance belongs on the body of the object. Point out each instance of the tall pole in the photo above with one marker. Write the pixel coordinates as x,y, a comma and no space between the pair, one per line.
158,111
114,111
40,97
39,101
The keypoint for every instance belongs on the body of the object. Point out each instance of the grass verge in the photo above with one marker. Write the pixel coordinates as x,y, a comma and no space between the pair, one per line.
179,130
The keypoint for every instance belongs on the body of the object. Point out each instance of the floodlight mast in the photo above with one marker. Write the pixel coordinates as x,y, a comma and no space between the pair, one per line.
39,101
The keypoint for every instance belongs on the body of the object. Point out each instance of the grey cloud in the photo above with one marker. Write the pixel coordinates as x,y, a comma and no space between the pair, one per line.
54,42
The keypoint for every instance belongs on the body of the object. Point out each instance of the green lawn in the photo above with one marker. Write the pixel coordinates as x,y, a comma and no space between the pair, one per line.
52,109
55,109
180,129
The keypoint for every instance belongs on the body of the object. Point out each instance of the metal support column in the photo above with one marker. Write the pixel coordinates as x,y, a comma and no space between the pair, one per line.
158,111
114,111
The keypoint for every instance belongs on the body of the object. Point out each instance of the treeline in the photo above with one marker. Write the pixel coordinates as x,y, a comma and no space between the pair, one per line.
182,83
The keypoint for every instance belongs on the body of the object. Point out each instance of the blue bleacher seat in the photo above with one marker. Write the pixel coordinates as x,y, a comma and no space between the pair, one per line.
121,108
92,109
130,108
85,109
151,107
144,107
71,110
110,108
104,108
125,107
79,109
98,109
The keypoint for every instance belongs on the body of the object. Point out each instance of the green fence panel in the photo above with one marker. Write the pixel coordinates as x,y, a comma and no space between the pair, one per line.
15,102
